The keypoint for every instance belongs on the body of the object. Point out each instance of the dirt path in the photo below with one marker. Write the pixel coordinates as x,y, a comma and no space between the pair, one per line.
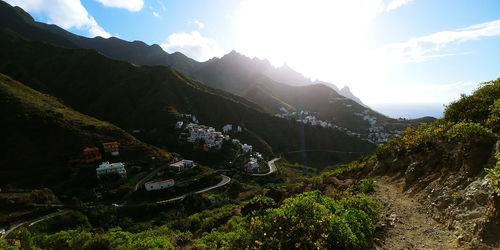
405,224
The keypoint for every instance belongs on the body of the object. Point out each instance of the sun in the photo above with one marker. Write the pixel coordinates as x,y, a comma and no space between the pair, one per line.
322,39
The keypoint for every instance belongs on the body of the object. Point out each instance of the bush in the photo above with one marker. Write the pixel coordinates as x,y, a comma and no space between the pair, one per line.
474,108
366,185
469,133
494,176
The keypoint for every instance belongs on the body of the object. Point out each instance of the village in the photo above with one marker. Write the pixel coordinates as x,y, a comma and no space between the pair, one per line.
109,170
212,140
376,133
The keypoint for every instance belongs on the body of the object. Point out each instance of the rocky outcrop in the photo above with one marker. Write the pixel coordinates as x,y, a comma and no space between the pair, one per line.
449,181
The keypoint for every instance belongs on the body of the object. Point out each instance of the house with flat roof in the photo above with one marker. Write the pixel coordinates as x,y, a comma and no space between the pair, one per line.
111,147
158,185
111,168
89,155
181,165
246,148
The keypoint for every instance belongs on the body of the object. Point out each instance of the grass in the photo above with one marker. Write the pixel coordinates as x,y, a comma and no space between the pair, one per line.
132,180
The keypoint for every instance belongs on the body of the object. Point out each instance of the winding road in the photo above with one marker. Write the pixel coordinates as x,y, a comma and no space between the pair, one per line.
225,180
272,167
33,222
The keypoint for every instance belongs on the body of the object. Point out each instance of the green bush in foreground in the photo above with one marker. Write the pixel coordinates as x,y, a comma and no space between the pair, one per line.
307,221
366,185
494,176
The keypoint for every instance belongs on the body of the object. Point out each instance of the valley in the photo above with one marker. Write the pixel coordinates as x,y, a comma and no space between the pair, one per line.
111,144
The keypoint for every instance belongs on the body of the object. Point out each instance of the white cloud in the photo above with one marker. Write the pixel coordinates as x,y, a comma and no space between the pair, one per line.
131,5
193,45
156,14
420,49
197,23
64,13
394,4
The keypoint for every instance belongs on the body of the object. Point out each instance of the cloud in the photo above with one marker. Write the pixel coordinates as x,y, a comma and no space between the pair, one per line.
193,45
64,13
156,14
420,49
394,4
198,23
131,5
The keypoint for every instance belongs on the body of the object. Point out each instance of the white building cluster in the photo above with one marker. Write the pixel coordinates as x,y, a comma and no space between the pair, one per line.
304,117
111,168
377,133
212,138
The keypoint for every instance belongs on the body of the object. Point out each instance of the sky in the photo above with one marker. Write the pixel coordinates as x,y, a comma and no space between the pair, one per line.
386,51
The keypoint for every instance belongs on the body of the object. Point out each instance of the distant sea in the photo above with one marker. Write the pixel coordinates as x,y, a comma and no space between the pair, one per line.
409,110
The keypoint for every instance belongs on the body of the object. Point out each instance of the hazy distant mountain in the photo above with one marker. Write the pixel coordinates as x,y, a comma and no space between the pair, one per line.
345,91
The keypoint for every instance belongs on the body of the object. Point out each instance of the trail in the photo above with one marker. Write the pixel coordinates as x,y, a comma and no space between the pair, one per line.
406,225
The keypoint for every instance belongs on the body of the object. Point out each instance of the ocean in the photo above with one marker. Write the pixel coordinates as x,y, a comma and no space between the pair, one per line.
409,110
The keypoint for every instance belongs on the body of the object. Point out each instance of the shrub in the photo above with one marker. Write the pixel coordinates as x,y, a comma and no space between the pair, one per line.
384,151
366,185
474,108
494,176
469,133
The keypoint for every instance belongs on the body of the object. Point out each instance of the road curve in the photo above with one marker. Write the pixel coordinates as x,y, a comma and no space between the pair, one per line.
225,180
33,222
272,167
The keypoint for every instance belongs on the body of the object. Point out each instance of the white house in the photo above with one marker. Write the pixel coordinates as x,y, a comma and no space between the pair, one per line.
179,124
227,128
252,166
246,148
113,168
159,185
181,165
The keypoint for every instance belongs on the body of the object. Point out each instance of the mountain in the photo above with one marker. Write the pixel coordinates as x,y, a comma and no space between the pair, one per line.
149,98
139,53
41,136
345,91
234,73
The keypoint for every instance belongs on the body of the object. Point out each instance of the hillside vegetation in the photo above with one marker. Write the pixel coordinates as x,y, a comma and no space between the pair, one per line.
40,136
149,98
450,166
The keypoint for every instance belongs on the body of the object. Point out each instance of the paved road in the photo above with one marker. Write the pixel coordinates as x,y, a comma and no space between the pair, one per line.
272,167
225,180
328,151
141,182
33,222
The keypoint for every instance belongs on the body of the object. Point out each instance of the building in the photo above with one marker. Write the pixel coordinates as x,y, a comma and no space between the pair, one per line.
113,168
159,184
246,148
179,124
111,147
252,166
89,155
227,128
238,129
181,165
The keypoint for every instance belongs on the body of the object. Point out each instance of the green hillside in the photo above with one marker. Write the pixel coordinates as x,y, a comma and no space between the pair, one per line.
450,166
40,137
149,97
